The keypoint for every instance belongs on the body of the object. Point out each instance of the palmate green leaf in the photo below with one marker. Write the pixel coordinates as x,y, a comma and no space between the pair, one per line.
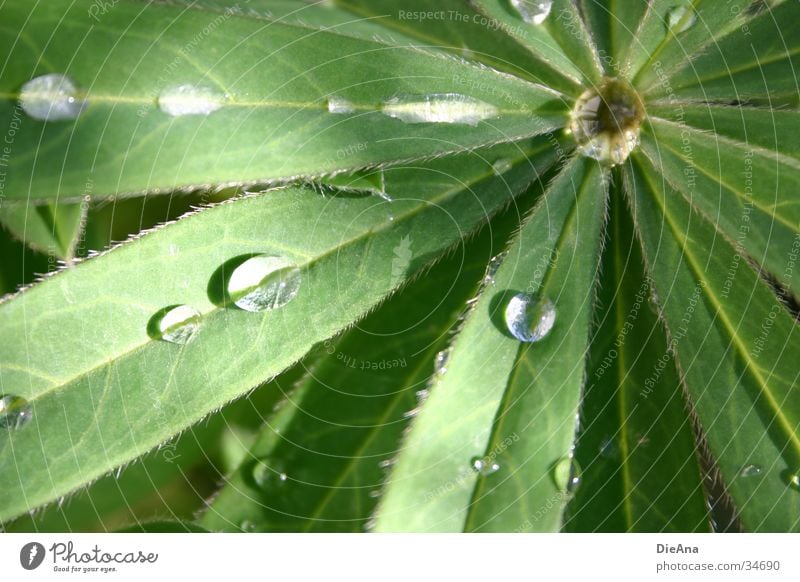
344,421
749,190
103,392
757,60
273,81
501,402
737,352
636,451
498,40
53,229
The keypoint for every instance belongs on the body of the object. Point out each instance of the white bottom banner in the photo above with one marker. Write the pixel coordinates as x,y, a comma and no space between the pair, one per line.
400,557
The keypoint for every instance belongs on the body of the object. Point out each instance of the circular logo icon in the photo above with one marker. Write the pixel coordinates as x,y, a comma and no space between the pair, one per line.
31,555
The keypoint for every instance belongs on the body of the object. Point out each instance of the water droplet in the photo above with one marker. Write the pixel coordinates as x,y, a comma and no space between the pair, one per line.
567,474
189,100
340,105
680,19
502,166
264,282
793,480
440,363
439,108
15,411
51,97
493,267
529,319
484,466
177,324
533,11
248,526
605,121
751,471
266,474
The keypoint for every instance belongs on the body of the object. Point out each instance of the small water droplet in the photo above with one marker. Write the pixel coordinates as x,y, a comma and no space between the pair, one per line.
793,479
529,319
484,466
440,363
680,19
439,108
491,269
51,97
340,105
189,100
177,324
264,282
502,166
751,471
567,474
533,11
15,411
248,526
266,473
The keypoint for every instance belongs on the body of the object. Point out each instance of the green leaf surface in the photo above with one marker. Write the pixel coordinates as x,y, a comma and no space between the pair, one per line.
271,83
503,402
345,419
53,229
757,59
87,359
636,450
749,191
501,41
741,372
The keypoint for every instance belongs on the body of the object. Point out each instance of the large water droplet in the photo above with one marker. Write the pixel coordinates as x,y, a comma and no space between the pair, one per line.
189,100
529,319
439,108
15,411
681,18
484,466
533,11
266,473
605,121
340,105
51,97
567,474
751,471
264,282
177,324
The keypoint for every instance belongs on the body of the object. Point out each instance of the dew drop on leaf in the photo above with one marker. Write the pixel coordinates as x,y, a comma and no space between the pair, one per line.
177,325
340,105
567,475
680,19
605,121
502,166
484,466
15,411
439,108
751,471
266,473
248,526
51,97
264,282
532,11
793,480
529,319
189,100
